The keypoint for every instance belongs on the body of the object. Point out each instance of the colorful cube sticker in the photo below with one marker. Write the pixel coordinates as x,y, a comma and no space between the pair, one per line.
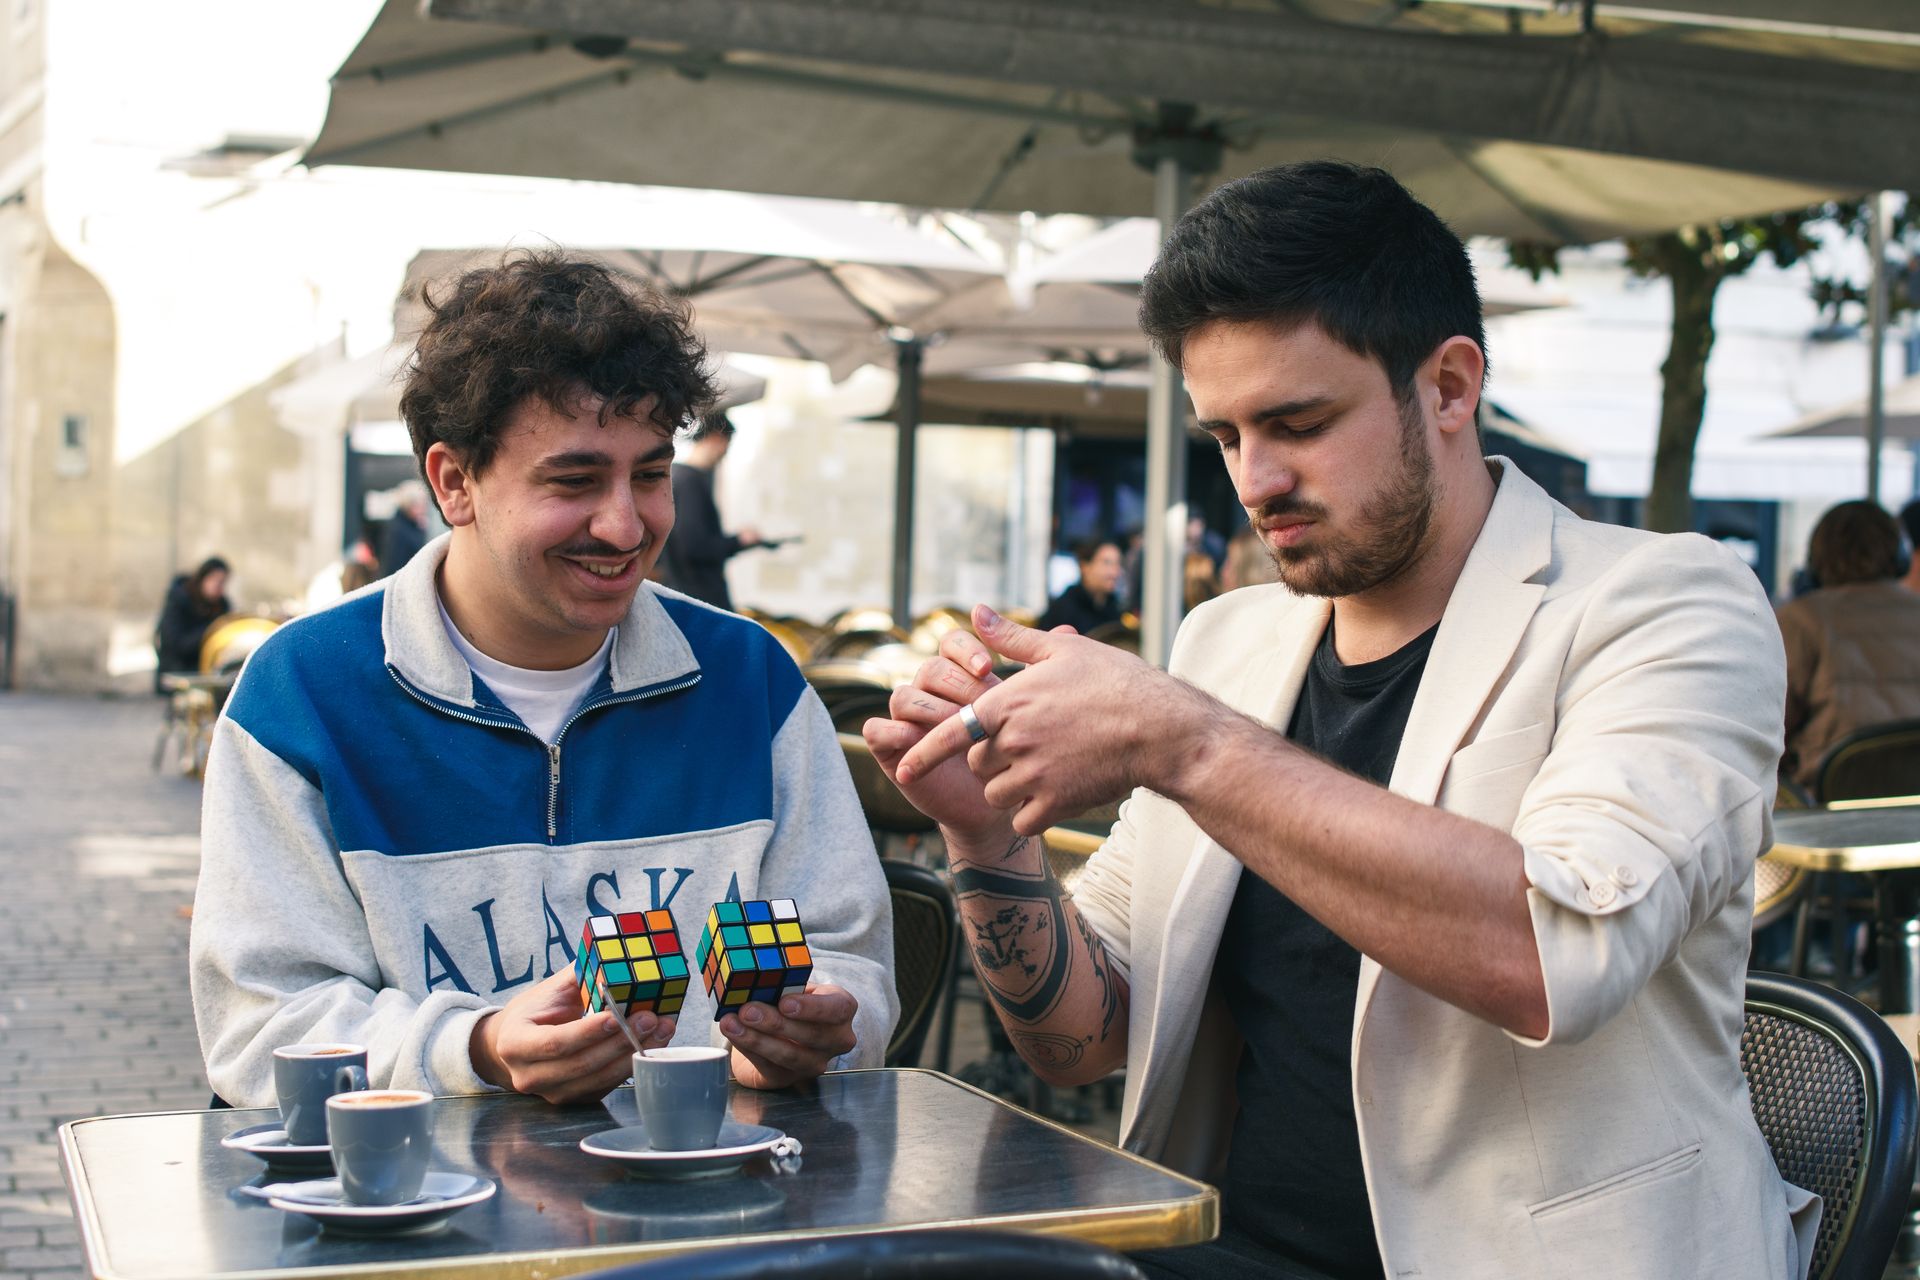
753,951
637,954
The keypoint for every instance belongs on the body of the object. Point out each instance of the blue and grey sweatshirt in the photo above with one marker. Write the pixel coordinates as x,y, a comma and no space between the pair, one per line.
387,852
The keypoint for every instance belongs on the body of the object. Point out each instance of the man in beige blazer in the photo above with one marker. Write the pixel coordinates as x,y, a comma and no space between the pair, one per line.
1469,1004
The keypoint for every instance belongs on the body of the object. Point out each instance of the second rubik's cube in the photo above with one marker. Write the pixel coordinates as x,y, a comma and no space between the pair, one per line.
753,951
638,952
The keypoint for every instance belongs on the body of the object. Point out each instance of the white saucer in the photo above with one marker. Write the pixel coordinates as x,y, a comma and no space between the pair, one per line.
441,1195
737,1144
269,1142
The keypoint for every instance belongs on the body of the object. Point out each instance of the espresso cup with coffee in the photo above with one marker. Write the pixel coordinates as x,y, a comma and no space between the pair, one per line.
305,1076
682,1096
382,1142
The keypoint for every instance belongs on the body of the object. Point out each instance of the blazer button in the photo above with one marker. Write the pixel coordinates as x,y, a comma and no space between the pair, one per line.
1602,894
1625,877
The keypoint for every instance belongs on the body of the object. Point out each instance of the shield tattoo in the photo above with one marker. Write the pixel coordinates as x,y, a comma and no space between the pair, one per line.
1019,946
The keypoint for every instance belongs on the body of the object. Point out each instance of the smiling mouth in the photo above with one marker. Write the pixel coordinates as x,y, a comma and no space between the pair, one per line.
604,570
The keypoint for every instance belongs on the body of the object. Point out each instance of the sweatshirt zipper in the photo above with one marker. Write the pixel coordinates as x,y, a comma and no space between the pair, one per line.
552,748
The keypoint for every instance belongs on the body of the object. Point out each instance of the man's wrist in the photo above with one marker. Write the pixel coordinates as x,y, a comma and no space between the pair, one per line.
486,1063
994,845
1184,758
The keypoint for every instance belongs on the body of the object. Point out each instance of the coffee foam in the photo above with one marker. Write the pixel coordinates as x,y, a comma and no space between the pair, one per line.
379,1098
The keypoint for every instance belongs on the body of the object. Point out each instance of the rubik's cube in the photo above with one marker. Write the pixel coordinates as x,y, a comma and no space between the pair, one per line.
639,954
753,951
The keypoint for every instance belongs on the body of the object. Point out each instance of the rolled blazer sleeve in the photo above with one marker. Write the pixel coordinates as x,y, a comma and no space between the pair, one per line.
1656,795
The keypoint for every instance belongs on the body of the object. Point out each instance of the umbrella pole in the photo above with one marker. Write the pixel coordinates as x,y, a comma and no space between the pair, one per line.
1165,537
1877,340
907,356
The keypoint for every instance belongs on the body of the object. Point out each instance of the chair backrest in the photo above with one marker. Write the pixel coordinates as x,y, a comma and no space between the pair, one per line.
894,1255
887,811
924,924
1879,760
1833,1091
1777,890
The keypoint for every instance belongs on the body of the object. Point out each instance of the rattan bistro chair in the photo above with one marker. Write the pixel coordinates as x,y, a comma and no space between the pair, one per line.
893,1255
1879,760
1833,1091
924,952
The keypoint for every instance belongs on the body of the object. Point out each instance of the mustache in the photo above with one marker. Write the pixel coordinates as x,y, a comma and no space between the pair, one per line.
603,550
1285,508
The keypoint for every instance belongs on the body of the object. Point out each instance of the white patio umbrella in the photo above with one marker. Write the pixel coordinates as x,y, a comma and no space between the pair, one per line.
1528,121
1851,420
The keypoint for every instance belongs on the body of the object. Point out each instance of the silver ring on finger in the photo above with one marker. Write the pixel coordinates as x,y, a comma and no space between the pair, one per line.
971,719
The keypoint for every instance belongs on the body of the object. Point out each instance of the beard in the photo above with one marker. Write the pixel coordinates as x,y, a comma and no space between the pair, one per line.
1391,529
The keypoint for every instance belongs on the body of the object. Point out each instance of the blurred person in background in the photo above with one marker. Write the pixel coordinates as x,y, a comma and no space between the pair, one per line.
193,601
406,533
1094,600
695,560
355,568
1248,564
1910,528
1199,580
1853,643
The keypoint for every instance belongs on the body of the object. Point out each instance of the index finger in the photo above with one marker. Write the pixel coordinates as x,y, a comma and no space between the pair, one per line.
945,740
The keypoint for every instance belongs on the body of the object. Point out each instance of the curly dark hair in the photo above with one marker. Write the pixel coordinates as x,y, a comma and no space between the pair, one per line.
542,324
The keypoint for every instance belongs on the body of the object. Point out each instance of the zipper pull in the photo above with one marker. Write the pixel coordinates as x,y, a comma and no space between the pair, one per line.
553,791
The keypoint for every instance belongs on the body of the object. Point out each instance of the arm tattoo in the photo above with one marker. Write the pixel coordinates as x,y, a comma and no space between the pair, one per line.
1013,850
1054,1052
1113,987
1019,941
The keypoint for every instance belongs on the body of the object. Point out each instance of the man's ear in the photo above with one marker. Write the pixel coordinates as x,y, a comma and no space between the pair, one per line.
452,484
1454,372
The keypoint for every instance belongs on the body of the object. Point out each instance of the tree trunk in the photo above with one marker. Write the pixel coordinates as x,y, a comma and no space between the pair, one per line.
1683,391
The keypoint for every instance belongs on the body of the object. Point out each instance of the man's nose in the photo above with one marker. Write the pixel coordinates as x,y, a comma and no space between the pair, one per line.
1263,474
617,520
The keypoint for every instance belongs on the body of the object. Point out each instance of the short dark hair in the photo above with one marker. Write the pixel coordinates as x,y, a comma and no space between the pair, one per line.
1334,244
1087,548
1854,542
542,324
714,422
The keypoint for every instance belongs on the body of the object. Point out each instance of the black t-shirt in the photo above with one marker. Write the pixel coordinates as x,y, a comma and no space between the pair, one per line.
1294,1180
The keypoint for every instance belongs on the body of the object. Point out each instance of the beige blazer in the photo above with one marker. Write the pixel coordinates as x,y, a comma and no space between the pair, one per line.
1613,699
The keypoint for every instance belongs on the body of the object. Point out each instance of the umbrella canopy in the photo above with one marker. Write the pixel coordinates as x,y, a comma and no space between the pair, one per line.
1531,126
1548,134
1850,420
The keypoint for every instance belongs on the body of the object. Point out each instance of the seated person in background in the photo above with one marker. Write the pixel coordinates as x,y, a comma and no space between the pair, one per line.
418,796
1853,643
1093,601
1423,931
193,602
1910,529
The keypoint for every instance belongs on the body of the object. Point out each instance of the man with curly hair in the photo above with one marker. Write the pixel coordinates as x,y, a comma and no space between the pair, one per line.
417,796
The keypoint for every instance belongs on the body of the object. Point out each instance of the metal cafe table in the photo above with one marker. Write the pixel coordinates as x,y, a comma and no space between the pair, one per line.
1882,839
157,1196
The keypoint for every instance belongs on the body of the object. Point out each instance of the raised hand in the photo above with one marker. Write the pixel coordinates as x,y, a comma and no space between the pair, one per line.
1083,725
948,793
539,1043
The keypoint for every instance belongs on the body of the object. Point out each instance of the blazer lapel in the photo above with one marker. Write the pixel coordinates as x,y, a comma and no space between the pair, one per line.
1490,609
1198,908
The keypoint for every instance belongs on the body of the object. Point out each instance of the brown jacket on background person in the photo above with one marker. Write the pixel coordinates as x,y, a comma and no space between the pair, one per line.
1853,645
1853,660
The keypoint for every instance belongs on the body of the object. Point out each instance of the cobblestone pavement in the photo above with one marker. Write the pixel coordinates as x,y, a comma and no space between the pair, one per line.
98,856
